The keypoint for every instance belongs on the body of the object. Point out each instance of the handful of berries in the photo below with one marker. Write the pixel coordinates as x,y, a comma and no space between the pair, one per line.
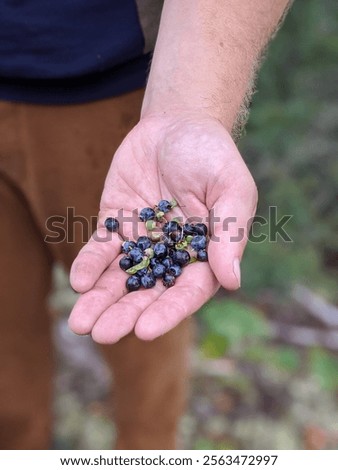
163,254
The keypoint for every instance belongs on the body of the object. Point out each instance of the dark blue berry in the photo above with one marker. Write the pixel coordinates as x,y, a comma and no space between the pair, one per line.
171,252
167,240
159,270
164,206
168,280
170,227
147,214
126,263
201,229
175,270
136,255
188,229
111,224
143,243
133,283
167,262
148,281
160,250
181,257
127,246
199,242
177,235
202,255
154,262
142,272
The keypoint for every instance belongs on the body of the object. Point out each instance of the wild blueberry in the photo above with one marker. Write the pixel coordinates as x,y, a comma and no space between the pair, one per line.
170,227
175,270
202,255
154,262
167,240
167,262
159,270
125,263
181,257
171,252
164,206
136,255
142,272
143,243
127,246
111,224
200,229
177,235
168,280
160,250
148,281
147,214
188,229
133,283
199,242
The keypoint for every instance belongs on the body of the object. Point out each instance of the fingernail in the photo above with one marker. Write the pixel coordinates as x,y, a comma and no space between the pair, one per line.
237,270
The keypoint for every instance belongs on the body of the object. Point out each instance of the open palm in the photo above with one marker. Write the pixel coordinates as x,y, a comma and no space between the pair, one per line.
192,159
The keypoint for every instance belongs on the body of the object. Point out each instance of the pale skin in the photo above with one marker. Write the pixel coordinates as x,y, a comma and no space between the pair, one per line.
182,148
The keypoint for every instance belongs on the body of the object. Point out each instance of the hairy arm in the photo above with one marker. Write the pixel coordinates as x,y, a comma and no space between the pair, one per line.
206,56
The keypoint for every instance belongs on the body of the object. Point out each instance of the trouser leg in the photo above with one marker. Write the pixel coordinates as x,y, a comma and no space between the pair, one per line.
26,364
70,150
151,388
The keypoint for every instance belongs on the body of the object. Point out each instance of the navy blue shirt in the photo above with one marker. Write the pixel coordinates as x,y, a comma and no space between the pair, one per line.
71,51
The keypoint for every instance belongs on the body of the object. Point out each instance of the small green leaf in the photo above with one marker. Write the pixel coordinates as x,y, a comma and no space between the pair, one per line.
159,215
173,203
149,252
150,224
144,264
181,245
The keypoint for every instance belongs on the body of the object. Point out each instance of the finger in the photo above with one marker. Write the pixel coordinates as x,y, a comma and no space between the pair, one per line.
90,305
192,289
119,319
93,259
232,214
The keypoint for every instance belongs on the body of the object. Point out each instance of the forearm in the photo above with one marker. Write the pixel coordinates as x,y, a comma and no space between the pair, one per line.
206,55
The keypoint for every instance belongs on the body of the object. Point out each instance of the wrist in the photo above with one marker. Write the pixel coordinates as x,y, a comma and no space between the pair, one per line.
171,116
162,109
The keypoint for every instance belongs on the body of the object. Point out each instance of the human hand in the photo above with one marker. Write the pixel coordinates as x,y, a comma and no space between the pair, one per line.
188,157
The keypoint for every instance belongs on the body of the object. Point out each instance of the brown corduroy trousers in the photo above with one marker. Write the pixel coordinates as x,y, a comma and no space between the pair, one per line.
51,158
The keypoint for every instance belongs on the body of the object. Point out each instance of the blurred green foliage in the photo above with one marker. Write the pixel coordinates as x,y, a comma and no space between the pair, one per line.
241,332
324,368
233,322
290,147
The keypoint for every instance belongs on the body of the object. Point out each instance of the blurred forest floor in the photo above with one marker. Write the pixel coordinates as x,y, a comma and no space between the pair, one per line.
265,364
249,389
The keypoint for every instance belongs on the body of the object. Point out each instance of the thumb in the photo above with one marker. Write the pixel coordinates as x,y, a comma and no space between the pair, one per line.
230,221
